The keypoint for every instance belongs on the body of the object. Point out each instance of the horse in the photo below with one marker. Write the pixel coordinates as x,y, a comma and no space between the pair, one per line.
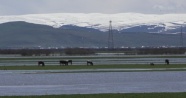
167,61
41,63
90,63
63,62
152,64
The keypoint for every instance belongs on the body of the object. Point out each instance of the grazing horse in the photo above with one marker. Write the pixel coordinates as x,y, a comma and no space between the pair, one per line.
90,63
63,62
152,64
167,61
41,63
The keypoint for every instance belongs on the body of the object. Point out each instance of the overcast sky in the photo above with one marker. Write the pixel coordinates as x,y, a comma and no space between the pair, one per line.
21,7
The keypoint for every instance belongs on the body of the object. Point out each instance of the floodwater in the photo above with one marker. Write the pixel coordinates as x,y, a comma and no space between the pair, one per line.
49,83
97,60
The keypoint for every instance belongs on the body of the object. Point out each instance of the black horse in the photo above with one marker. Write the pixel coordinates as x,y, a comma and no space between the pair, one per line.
167,61
90,63
41,63
64,62
152,64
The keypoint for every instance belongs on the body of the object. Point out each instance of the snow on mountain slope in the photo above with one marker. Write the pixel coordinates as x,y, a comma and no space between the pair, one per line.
101,21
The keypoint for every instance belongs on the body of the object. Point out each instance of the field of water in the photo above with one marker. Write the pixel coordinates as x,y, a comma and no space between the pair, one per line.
36,83
97,60
49,82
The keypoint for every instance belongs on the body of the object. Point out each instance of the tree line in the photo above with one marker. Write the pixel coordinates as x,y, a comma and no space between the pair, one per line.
47,52
90,51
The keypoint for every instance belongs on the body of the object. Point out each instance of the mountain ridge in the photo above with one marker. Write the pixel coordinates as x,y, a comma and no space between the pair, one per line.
121,21
28,35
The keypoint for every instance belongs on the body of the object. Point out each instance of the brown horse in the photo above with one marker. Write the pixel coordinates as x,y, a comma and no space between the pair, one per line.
41,63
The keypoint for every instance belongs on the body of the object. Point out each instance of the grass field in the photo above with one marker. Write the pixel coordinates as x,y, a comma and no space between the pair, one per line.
178,67
145,95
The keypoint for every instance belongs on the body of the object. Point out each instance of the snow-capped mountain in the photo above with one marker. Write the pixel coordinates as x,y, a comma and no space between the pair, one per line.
120,22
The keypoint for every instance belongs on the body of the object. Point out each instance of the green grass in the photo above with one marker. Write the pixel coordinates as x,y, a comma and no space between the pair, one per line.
139,95
73,67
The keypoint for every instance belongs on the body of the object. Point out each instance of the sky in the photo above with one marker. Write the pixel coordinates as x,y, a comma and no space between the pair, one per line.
22,7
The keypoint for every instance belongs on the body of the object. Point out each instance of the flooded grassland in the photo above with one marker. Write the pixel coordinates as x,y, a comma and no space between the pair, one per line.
94,80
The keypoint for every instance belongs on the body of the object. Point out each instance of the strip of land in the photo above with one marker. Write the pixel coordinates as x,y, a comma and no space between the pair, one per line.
97,68
135,95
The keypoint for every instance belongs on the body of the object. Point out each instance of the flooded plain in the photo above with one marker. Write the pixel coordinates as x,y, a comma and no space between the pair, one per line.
50,82
97,59
42,83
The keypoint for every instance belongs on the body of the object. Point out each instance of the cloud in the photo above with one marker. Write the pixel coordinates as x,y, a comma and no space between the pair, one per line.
168,6
11,7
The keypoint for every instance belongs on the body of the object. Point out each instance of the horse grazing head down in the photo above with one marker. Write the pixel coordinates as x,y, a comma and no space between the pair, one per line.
90,63
41,63
63,62
152,64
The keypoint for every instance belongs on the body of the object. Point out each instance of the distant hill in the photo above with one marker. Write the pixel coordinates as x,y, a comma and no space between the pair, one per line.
28,35
128,22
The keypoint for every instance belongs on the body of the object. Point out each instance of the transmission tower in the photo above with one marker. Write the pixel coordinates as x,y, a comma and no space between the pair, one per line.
110,37
181,37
